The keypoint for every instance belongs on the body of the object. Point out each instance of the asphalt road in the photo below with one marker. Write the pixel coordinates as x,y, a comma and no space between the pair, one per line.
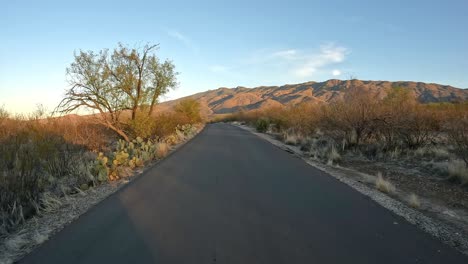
228,196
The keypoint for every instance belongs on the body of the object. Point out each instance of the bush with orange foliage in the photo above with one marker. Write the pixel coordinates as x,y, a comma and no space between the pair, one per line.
457,129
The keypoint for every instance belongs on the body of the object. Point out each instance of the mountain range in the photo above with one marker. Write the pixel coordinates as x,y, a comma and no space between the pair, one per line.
228,100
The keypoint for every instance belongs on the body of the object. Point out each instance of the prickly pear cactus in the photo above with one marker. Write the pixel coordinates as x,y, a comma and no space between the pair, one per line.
139,140
121,145
121,158
100,169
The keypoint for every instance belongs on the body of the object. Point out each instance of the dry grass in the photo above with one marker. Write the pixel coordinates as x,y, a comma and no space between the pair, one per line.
383,185
414,201
292,138
161,150
457,170
395,154
49,202
333,155
438,153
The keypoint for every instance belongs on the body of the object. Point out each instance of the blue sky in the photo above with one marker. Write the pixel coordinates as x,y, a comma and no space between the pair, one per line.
238,43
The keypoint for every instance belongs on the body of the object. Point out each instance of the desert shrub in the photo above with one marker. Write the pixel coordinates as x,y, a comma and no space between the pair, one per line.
161,150
4,115
438,153
324,148
333,155
418,128
457,128
291,138
355,119
384,185
262,125
33,162
188,110
458,171
414,201
393,110
168,122
142,126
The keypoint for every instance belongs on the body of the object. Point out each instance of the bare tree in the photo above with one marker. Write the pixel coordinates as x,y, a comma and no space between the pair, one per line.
128,79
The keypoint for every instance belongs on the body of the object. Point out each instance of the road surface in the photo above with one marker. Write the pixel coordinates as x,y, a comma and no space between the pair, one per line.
228,196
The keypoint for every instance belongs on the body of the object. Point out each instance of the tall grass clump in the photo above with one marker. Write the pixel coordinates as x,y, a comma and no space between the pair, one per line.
384,185
414,201
458,171
262,125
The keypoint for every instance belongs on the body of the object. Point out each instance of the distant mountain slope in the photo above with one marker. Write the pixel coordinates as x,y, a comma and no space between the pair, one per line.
228,100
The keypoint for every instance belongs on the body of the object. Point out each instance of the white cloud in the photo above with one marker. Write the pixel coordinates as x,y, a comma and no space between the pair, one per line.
328,55
296,63
285,54
336,72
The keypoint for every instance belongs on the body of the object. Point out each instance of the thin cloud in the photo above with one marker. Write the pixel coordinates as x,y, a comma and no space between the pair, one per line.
178,35
182,38
329,54
296,63
285,54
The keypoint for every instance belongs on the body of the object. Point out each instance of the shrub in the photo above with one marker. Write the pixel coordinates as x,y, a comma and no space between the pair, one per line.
166,124
291,139
458,171
189,110
333,155
457,128
262,125
354,119
383,185
161,150
33,162
142,126
418,128
414,201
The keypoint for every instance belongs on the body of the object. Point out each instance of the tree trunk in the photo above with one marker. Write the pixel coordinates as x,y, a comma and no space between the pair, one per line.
118,131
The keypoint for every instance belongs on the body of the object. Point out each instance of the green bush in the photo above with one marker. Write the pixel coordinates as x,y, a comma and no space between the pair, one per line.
262,125
189,110
142,126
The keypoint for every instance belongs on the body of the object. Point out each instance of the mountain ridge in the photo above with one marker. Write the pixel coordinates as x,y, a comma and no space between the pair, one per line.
225,100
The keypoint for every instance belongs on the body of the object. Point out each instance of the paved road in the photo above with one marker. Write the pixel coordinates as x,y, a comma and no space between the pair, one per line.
230,197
